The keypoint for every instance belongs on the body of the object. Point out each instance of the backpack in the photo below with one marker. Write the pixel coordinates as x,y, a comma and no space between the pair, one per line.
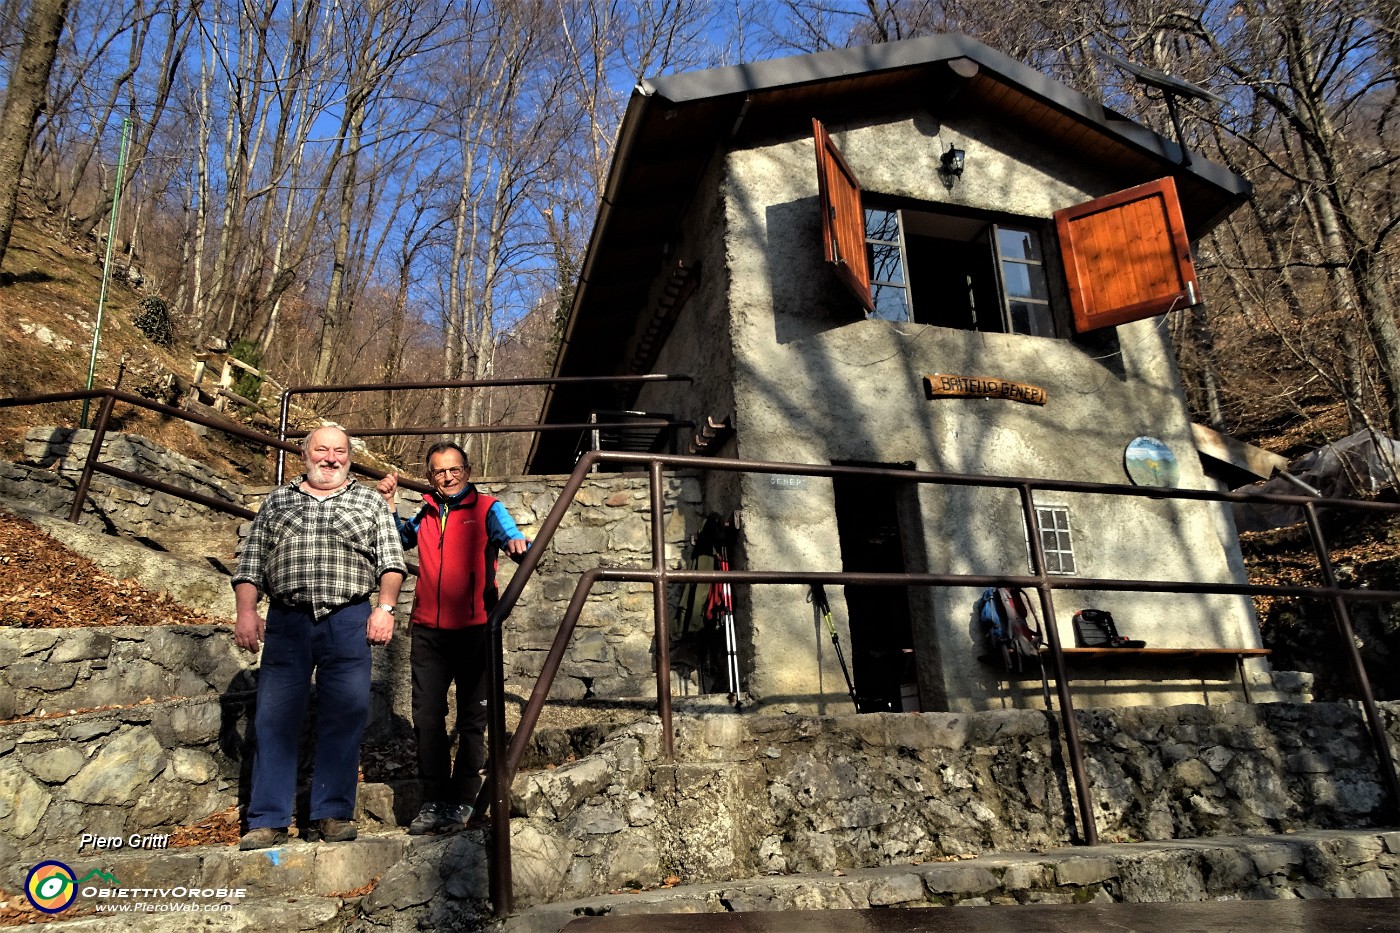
1094,628
1011,626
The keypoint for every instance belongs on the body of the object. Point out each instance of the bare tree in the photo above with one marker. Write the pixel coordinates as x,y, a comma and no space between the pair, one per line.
24,97
380,37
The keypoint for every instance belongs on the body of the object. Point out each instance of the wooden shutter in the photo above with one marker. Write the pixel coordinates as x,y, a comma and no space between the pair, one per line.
1127,256
843,220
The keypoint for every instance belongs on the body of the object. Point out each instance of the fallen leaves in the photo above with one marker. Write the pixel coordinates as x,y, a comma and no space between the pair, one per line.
15,910
45,585
221,828
361,891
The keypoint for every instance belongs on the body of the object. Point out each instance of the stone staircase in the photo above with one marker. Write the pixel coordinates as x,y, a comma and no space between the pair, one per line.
1312,864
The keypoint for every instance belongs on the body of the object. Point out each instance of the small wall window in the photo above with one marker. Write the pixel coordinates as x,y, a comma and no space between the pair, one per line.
1053,523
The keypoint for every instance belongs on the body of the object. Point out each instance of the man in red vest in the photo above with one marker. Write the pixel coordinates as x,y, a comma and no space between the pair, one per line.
458,532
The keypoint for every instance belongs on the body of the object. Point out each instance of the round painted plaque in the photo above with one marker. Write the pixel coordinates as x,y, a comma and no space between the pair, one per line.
1150,462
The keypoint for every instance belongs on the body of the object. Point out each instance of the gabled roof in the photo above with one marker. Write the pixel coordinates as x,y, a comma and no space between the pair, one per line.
674,124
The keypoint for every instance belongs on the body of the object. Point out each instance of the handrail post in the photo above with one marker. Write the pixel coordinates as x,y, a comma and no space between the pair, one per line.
659,606
1082,790
1381,742
99,433
502,883
499,870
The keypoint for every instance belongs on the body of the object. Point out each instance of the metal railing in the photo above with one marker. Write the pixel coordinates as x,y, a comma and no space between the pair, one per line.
505,761
101,426
660,423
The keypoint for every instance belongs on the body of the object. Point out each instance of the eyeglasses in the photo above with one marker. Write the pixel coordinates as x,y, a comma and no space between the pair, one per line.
454,472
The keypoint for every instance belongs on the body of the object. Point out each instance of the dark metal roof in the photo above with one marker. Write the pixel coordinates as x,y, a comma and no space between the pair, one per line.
675,124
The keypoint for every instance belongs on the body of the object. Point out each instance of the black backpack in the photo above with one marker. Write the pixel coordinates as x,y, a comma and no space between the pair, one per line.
1094,628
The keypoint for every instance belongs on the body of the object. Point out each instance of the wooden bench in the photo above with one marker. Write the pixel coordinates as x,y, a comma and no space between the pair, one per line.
1103,657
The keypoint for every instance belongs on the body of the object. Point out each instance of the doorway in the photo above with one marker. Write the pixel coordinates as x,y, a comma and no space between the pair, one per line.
882,636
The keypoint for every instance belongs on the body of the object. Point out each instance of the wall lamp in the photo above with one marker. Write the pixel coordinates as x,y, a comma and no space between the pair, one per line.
952,168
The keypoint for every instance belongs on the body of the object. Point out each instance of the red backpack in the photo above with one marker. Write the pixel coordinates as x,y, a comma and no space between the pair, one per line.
1011,626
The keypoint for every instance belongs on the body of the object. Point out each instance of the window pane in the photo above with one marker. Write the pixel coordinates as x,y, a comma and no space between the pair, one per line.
1018,244
881,225
1033,319
885,265
891,303
1023,281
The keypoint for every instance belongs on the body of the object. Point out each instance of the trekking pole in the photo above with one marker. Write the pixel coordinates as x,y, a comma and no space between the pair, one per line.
817,597
731,639
1039,658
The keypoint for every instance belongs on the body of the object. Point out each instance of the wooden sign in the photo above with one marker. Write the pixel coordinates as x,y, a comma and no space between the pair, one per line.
948,385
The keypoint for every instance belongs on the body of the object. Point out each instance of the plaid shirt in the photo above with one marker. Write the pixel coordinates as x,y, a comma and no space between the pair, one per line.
320,554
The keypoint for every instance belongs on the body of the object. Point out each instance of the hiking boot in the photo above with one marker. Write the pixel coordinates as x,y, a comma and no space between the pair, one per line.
428,818
264,837
332,830
454,819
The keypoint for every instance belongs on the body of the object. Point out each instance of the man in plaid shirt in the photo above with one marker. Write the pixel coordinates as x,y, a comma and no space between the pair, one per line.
318,548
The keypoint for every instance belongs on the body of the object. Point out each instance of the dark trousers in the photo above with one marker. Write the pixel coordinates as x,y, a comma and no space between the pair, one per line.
440,657
294,645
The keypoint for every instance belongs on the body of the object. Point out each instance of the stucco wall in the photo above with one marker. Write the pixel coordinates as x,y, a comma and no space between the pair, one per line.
700,344
815,382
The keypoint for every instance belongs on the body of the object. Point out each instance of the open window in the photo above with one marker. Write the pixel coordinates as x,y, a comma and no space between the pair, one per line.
1126,256
984,274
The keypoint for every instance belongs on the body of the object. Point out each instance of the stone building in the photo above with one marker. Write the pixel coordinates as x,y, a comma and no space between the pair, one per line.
921,255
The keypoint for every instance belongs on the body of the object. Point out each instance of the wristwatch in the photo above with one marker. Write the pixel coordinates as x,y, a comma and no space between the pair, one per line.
387,607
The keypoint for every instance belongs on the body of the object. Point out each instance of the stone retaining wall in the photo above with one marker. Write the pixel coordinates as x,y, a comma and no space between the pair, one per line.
137,770
752,795
54,670
65,450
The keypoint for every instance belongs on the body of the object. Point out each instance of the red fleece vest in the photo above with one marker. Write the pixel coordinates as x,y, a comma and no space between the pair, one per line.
456,585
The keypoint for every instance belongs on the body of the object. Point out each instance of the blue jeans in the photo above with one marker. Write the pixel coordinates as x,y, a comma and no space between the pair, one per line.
295,644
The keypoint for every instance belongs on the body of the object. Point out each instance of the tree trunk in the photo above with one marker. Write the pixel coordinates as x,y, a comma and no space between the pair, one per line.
24,97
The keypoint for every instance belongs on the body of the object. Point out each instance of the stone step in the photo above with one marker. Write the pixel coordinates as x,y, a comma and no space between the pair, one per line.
298,886
1309,864
295,868
304,914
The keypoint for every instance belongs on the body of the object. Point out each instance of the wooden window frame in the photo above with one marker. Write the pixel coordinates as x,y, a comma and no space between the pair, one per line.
1129,241
842,218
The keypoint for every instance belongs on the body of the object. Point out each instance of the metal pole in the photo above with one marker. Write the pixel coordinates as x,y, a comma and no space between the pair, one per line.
104,415
659,607
502,897
1384,760
502,884
1083,792
107,263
